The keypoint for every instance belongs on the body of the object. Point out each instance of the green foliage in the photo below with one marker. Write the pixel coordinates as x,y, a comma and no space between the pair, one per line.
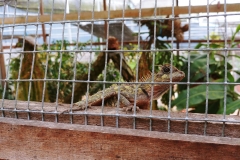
8,94
66,71
112,75
162,57
131,57
216,73
197,95
230,107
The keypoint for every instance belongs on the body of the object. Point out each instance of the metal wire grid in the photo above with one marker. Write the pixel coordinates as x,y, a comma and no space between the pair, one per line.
91,50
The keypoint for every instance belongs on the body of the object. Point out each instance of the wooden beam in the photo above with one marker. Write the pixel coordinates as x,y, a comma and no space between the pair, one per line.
142,42
159,119
87,15
48,140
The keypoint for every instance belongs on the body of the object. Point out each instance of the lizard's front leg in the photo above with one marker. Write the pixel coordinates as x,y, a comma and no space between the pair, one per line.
127,104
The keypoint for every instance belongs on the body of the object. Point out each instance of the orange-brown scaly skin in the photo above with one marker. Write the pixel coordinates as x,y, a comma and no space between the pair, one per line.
127,91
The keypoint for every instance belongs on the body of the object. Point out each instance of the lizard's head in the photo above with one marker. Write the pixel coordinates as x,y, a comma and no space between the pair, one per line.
165,74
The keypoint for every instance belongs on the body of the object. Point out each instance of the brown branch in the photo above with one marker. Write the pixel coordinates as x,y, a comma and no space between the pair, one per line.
38,73
2,64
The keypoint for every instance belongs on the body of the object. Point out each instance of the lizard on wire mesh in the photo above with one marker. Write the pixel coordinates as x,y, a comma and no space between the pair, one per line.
167,73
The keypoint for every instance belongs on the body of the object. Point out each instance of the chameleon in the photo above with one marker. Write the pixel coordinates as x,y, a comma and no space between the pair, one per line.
166,73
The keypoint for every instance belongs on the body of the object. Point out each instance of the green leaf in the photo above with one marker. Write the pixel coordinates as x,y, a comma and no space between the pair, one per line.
230,77
197,95
211,45
238,80
214,45
199,45
231,107
236,31
232,55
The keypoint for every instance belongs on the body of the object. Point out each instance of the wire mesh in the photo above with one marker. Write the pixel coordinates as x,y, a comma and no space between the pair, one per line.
54,72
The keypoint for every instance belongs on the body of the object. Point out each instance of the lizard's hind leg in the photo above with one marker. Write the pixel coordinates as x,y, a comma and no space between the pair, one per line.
81,105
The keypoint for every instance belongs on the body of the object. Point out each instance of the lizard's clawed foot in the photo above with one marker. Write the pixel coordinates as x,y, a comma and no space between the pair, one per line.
130,109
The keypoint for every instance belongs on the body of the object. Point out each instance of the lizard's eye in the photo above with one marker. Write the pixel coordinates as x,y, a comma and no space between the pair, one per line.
166,69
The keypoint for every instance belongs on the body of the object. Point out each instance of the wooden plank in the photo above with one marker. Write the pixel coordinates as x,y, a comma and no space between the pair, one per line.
87,15
22,139
196,122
